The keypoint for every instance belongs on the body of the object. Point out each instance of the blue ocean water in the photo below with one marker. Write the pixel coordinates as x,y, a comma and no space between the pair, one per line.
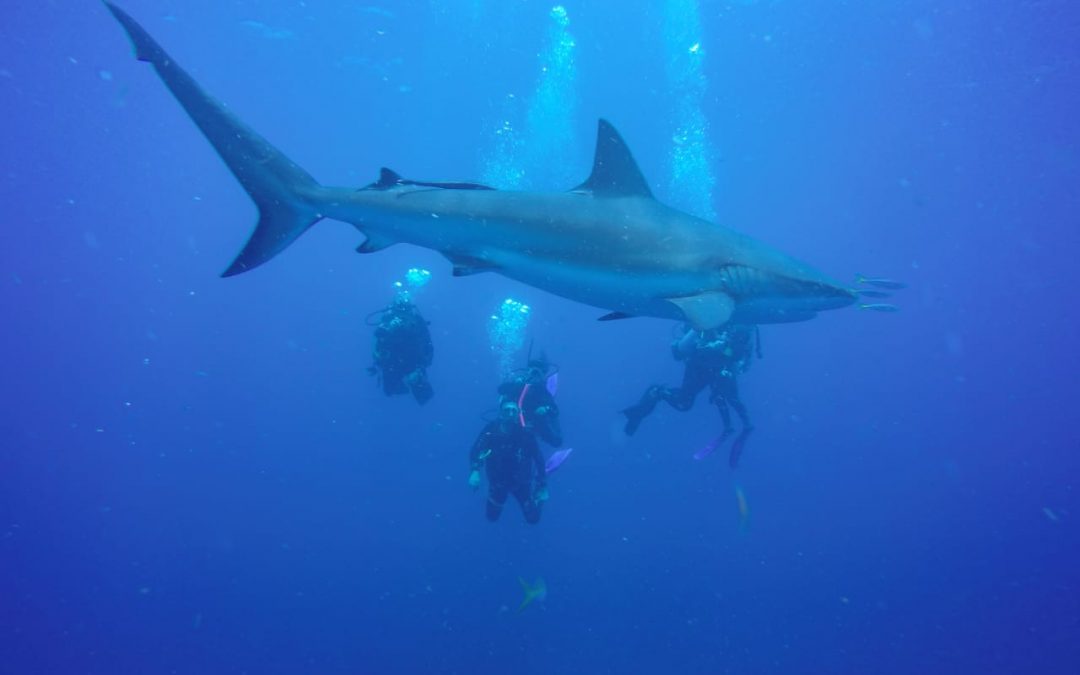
198,476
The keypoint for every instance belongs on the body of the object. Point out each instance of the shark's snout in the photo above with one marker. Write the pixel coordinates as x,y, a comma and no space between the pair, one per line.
828,296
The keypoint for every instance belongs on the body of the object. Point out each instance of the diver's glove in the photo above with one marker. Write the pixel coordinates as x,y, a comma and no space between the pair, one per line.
542,494
474,479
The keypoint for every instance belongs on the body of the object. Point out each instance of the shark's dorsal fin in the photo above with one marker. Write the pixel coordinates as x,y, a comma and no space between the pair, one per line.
615,173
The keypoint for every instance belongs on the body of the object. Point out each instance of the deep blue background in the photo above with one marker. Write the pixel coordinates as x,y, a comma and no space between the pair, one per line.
197,476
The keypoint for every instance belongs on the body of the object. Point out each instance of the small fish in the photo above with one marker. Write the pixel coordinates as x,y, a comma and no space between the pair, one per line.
1050,515
880,307
537,591
873,294
881,282
744,508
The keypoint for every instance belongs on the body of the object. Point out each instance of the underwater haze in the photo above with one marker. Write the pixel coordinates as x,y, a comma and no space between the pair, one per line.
198,475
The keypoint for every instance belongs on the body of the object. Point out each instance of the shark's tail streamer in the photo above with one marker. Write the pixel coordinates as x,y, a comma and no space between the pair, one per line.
284,193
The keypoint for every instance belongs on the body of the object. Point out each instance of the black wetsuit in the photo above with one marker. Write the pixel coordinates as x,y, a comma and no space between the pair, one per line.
403,351
514,466
537,405
713,359
715,362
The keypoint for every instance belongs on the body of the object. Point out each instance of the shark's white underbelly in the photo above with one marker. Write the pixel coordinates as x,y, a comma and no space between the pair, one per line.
600,286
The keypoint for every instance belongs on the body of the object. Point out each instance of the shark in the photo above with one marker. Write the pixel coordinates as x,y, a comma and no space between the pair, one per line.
608,242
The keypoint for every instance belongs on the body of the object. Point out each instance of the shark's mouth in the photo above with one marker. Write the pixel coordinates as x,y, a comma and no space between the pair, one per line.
748,284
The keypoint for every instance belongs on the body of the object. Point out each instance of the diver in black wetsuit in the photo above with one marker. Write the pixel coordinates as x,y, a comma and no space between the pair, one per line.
403,351
713,359
528,389
514,465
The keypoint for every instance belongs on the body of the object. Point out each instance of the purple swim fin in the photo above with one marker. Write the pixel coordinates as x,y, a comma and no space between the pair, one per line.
556,460
711,446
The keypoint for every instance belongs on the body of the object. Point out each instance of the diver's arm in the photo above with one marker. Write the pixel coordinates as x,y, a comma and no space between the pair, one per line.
480,450
684,346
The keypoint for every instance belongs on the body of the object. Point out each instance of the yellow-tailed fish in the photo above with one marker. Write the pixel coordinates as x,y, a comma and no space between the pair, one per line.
880,307
744,508
881,282
537,591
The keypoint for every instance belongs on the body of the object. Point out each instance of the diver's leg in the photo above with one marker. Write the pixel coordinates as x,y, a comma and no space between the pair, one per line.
393,381
725,396
731,394
725,415
420,386
737,404
497,493
641,409
694,380
530,505
549,428
740,410
738,445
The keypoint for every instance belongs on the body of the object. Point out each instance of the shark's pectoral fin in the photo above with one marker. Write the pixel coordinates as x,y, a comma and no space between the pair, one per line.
373,244
706,310
467,265
615,315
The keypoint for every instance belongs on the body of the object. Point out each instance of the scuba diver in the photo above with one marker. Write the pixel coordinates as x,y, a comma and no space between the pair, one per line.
713,359
403,350
532,390
514,465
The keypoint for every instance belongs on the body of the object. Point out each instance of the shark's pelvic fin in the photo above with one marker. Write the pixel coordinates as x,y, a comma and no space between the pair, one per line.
465,266
374,244
283,192
615,173
612,316
706,310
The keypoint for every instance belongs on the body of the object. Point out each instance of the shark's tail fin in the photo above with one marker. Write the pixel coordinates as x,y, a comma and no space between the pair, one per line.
285,194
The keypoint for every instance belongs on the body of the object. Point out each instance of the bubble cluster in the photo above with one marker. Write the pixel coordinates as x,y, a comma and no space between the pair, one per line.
415,279
691,179
536,154
506,332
